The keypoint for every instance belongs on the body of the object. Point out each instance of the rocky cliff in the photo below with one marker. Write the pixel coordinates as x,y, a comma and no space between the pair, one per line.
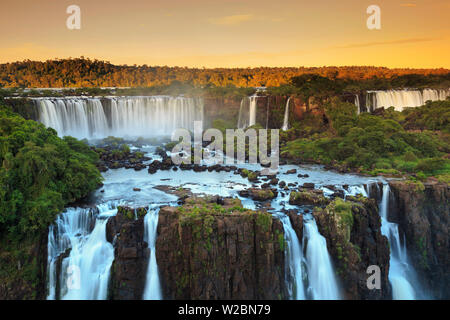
422,212
354,240
209,248
215,249
128,271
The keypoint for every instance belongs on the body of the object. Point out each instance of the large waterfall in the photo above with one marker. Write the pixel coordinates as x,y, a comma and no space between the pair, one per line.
152,289
401,273
95,118
286,116
84,272
247,112
401,99
322,280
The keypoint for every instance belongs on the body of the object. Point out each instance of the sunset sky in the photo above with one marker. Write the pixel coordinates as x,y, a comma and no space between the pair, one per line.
230,33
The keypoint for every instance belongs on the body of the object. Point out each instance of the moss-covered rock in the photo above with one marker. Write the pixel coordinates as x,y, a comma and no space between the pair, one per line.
354,240
259,194
308,197
213,248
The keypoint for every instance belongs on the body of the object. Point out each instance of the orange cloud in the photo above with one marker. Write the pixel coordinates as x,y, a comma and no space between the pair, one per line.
408,5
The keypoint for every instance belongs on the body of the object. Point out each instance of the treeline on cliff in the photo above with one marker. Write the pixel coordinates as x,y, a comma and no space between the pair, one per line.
415,141
40,173
81,72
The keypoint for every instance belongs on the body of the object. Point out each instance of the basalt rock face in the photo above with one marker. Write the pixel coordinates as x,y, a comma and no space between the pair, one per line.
423,216
128,271
297,223
354,240
25,107
220,108
220,252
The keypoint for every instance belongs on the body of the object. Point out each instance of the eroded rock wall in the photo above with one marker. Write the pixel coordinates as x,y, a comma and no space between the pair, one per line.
354,240
423,214
238,255
128,271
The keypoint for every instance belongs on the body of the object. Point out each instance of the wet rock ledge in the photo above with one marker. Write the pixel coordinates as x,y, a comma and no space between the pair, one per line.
209,248
212,248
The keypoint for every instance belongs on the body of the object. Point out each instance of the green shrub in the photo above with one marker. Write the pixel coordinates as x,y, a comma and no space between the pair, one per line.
433,166
40,174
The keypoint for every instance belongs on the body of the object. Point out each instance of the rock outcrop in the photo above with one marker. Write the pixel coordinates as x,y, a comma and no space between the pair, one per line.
354,240
259,194
423,214
215,249
308,197
128,271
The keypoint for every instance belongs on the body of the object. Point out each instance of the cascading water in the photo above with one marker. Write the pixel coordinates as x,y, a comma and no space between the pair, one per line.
84,274
401,274
247,112
243,114
358,104
94,118
294,260
152,289
322,280
401,99
286,116
252,111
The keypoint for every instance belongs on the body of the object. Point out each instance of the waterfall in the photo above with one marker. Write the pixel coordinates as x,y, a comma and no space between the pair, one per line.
286,116
152,289
400,272
401,99
94,118
247,112
84,273
252,111
358,104
294,260
322,281
243,114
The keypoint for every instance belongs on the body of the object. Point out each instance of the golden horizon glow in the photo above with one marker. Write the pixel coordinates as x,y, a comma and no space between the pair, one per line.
230,33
